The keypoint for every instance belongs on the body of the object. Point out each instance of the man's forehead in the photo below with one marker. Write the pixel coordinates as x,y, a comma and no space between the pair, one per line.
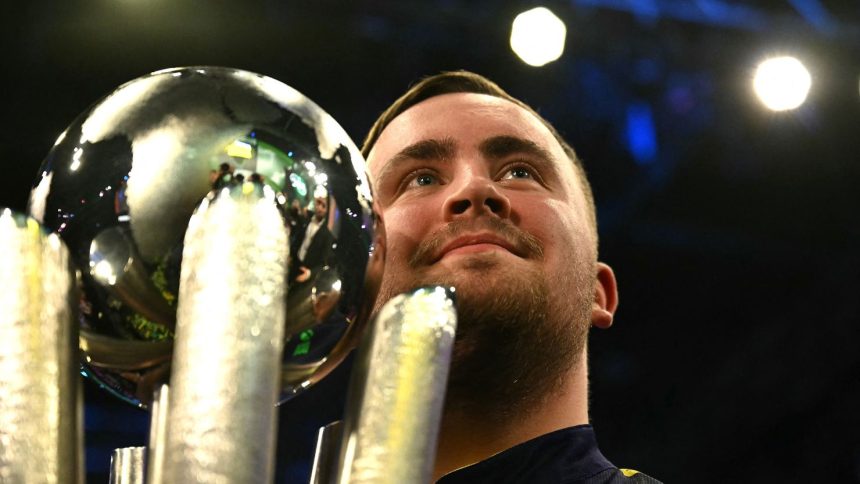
432,119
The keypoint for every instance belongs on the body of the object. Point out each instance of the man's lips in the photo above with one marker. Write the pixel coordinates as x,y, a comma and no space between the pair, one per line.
476,243
475,235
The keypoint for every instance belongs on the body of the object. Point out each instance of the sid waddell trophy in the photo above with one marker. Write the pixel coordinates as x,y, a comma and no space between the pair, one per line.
163,257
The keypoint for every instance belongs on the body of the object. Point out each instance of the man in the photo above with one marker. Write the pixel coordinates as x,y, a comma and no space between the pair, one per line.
314,250
474,189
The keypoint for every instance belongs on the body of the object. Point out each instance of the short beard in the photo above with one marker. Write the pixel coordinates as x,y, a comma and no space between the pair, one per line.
511,354
517,337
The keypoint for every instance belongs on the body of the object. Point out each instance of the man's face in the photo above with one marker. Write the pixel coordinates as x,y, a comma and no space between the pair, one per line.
320,208
471,189
474,191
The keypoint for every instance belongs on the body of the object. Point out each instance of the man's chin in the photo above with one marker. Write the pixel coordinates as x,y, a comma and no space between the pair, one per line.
477,279
482,263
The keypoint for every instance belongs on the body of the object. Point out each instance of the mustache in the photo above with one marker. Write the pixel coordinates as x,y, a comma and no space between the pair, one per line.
524,243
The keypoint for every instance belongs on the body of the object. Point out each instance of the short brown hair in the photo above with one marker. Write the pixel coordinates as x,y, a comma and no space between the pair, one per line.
469,82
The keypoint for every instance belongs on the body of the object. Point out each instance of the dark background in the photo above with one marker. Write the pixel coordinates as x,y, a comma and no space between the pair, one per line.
734,356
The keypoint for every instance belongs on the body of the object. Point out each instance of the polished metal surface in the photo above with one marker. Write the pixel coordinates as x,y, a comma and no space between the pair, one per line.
123,179
324,468
40,439
397,391
157,436
127,465
225,375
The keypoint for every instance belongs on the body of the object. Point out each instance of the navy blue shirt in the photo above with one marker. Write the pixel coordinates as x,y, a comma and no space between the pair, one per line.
568,456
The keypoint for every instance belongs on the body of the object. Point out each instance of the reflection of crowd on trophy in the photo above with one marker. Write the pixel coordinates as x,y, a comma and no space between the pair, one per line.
226,176
311,255
314,287
222,177
314,284
311,242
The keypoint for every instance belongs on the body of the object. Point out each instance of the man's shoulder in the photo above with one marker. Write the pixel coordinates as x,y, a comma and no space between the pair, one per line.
565,456
620,476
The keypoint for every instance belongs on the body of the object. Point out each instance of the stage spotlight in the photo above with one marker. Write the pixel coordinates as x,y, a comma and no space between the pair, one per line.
537,36
782,83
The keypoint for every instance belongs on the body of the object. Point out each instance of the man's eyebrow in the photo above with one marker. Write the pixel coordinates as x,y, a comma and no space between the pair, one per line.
427,149
501,146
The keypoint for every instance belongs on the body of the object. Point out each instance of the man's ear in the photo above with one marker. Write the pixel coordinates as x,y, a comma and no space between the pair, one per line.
605,297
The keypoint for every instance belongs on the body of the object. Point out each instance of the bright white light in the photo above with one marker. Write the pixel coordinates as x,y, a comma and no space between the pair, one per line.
60,138
76,159
537,36
104,272
782,83
39,196
111,115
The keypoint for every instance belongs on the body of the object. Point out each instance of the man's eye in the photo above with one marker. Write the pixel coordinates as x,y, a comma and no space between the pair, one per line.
424,179
518,172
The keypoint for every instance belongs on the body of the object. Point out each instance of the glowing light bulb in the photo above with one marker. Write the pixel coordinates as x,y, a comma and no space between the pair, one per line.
537,36
782,83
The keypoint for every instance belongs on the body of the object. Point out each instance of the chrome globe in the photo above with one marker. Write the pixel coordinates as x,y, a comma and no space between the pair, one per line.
121,183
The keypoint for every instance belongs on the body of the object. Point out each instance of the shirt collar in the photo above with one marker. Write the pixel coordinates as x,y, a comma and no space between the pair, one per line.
565,455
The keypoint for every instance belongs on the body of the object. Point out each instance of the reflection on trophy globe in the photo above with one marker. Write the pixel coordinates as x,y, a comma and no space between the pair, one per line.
123,181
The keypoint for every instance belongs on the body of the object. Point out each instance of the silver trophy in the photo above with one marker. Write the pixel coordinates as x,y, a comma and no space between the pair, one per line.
122,182
221,226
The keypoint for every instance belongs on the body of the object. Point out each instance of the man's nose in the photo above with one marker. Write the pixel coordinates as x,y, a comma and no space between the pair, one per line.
474,195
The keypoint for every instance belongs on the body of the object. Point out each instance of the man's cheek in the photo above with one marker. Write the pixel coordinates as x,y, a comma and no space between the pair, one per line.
403,235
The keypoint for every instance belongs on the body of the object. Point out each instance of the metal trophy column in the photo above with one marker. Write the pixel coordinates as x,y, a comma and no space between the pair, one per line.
225,377
40,435
127,465
398,389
